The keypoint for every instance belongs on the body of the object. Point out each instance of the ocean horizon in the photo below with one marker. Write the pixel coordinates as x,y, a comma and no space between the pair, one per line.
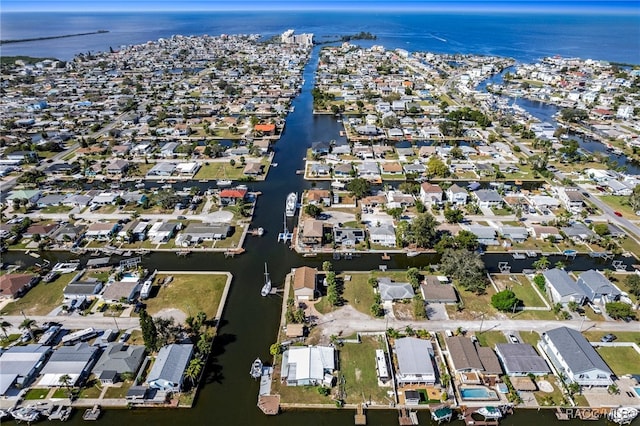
523,36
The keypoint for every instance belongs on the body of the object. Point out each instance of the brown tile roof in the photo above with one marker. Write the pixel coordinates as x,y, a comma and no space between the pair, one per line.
12,284
463,354
489,360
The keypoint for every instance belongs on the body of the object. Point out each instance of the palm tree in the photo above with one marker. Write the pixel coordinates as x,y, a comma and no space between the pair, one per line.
194,369
4,325
542,263
65,380
204,345
27,324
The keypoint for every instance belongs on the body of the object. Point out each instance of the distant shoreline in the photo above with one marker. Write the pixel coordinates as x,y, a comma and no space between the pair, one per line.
23,40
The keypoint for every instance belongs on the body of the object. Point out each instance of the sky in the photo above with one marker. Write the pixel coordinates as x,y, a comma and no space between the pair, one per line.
360,5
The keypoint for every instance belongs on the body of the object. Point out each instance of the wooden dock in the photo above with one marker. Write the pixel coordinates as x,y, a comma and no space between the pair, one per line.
385,256
407,417
92,413
360,418
269,404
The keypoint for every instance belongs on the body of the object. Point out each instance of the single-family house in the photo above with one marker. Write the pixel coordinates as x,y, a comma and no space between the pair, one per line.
521,359
304,283
368,169
348,237
72,361
383,234
79,287
571,198
231,196
486,234
319,169
101,231
117,167
167,372
308,365
15,285
561,288
578,232
312,232
162,232
119,358
572,356
253,168
390,291
430,194
542,232
457,195
342,170
597,287
121,290
433,290
319,197
415,361
517,234
19,366
488,198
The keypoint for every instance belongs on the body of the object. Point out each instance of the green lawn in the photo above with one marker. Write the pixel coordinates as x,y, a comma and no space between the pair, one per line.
220,170
620,281
555,398
118,392
191,293
621,359
521,286
41,299
358,366
357,291
530,337
55,209
91,390
474,305
37,393
491,338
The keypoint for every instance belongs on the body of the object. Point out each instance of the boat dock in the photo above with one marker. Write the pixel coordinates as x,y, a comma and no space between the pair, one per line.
92,413
360,418
233,252
407,417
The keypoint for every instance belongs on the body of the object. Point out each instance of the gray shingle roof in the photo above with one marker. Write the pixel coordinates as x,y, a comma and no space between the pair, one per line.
520,358
576,351
170,363
594,284
562,282
394,291
120,358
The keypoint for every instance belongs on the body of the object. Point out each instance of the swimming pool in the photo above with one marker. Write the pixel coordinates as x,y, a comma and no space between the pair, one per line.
636,389
478,393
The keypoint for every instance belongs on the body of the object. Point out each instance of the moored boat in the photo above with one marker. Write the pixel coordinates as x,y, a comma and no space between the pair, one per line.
266,288
490,412
26,414
291,204
256,369
623,415
223,182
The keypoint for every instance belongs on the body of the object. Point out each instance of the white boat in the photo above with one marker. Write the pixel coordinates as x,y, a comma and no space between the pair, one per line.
60,412
490,412
26,414
292,204
412,253
223,182
623,415
256,369
266,288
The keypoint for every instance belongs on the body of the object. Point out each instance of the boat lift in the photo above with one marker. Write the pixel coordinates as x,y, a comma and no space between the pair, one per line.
285,236
504,267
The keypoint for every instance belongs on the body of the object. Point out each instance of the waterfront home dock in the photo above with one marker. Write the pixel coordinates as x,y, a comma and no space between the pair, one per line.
407,417
269,404
92,413
360,418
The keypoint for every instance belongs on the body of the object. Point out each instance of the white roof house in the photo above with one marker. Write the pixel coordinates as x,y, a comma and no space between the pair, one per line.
75,361
562,289
414,361
307,365
19,365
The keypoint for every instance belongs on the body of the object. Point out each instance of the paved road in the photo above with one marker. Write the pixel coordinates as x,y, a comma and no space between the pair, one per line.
75,322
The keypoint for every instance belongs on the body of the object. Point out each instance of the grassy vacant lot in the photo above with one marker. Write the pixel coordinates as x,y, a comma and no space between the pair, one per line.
36,393
533,315
191,293
620,281
304,394
41,299
358,366
221,170
474,305
621,359
491,338
521,286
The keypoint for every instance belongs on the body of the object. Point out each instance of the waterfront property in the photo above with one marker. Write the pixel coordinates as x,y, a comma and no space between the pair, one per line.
415,361
561,288
521,359
116,359
308,365
167,373
72,361
573,357
19,366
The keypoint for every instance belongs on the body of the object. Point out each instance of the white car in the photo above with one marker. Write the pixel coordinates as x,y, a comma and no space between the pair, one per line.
513,339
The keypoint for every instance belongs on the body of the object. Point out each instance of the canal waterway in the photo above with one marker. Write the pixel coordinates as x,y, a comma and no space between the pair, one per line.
249,324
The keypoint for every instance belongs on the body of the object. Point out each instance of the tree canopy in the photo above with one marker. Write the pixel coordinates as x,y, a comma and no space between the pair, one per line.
421,231
466,267
505,300
358,187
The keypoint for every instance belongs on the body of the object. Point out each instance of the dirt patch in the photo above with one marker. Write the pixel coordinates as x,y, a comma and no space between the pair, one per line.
176,314
403,311
358,374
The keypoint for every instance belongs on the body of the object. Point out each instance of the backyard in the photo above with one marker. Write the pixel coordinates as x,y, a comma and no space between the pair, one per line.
621,359
357,366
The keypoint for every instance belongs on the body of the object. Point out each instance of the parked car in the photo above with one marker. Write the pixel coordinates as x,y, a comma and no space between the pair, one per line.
618,214
124,337
608,338
513,339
